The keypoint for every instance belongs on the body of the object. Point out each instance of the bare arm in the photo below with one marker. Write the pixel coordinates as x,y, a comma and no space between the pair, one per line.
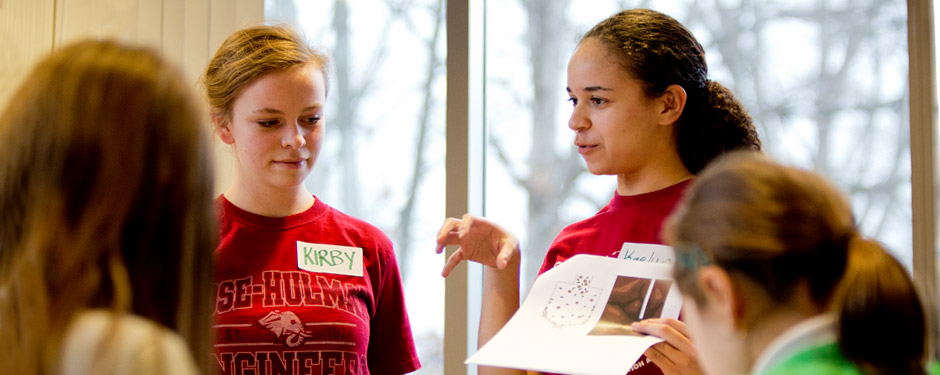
500,302
498,251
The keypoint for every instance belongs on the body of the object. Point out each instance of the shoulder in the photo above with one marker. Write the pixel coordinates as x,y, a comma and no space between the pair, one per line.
586,227
355,230
100,341
821,359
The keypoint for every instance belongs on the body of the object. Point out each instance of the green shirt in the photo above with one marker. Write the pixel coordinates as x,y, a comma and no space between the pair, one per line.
826,359
821,359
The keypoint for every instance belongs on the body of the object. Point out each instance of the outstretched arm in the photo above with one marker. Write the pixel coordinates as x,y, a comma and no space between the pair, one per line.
498,251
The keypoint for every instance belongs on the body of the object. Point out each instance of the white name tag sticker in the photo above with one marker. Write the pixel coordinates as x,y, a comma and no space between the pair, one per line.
644,252
338,260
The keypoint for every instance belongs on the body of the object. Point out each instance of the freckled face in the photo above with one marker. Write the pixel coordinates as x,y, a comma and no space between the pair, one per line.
276,128
615,122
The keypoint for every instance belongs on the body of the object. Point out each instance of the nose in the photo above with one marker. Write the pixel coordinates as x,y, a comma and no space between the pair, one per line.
578,120
293,137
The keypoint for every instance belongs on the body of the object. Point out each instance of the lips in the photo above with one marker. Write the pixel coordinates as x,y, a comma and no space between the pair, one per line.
585,147
291,163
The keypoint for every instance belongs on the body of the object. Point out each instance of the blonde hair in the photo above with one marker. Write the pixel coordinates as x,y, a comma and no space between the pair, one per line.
250,53
774,226
106,200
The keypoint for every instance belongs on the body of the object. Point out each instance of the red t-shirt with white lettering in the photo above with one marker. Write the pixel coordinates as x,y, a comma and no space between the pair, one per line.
318,292
635,218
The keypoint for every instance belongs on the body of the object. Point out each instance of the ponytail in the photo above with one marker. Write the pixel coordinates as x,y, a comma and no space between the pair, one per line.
714,122
660,52
882,324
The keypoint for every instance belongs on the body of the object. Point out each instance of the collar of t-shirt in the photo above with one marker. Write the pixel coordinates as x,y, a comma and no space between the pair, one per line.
670,192
816,330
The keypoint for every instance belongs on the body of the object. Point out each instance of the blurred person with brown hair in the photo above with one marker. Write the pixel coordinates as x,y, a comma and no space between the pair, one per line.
105,196
776,278
302,287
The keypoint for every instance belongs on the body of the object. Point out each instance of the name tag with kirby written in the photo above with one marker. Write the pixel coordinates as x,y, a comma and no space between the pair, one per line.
338,260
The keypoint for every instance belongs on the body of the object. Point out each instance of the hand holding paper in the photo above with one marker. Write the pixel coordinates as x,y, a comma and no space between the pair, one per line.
578,318
675,356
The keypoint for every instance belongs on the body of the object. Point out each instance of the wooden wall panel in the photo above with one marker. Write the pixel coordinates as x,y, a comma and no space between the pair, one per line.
149,25
26,36
221,22
249,12
226,16
79,19
196,47
187,32
173,30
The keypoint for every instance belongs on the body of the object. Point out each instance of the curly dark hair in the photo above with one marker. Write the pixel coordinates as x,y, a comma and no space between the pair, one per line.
660,51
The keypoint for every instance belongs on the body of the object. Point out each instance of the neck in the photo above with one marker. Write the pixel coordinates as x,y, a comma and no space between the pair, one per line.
653,178
271,203
661,169
771,327
776,320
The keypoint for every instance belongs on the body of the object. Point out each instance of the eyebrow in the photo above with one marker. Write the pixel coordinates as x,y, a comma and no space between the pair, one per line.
592,89
277,111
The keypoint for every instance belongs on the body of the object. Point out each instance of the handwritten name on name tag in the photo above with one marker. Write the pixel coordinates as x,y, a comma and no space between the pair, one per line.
644,252
338,260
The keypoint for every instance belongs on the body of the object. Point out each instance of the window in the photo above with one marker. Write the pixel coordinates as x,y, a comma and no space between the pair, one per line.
826,83
382,158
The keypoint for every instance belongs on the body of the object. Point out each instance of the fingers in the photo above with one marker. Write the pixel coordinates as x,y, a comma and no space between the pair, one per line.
466,221
672,331
673,361
665,364
506,251
677,324
677,355
447,235
452,262
658,358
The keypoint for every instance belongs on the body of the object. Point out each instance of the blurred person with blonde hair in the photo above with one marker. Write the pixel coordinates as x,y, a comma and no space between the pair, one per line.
105,197
302,287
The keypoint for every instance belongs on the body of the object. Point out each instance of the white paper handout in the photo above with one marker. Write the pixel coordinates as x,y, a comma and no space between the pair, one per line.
576,318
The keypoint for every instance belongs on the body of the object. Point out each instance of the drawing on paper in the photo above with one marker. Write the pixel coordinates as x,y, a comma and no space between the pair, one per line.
631,299
571,303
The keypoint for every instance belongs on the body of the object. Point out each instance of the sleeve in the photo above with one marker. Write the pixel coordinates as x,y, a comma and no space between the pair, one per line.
559,247
391,344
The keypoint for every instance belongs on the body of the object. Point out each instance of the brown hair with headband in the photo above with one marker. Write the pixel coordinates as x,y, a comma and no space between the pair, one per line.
772,226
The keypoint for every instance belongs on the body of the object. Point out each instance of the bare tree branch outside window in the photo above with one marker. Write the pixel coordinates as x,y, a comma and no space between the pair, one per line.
825,81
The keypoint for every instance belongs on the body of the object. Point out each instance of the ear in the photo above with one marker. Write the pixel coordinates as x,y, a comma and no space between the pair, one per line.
722,296
223,127
673,101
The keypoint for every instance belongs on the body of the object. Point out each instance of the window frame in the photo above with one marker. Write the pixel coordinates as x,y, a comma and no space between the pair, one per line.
923,128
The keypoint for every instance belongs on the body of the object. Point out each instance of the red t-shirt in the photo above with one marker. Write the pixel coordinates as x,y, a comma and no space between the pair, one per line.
313,293
635,218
